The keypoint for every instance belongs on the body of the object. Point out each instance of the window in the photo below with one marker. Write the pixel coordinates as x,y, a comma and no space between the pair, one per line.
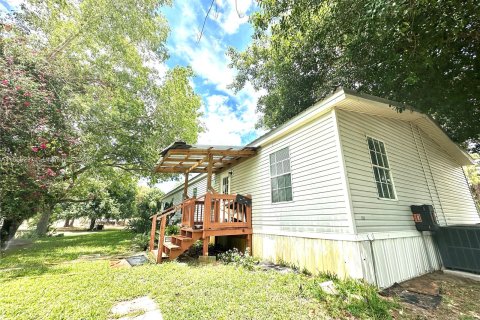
281,179
195,191
381,169
226,185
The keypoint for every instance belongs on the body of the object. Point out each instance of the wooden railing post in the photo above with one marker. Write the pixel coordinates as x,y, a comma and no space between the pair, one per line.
161,239
152,232
207,210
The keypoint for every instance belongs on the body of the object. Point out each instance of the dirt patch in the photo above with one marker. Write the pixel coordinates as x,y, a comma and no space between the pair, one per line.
438,296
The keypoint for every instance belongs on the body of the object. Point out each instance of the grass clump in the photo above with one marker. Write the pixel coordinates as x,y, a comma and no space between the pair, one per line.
353,298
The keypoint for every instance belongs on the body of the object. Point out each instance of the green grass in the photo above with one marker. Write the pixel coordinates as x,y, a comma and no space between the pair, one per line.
52,284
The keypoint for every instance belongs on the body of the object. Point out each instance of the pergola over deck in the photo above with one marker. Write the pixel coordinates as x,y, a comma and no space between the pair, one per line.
212,214
180,157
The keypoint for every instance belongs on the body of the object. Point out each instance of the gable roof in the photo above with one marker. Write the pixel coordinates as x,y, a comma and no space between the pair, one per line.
353,101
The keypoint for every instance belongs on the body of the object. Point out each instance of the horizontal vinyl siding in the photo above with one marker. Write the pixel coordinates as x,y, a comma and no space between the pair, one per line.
455,197
412,186
420,176
319,201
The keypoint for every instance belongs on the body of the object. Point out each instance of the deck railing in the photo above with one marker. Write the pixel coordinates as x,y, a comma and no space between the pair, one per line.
216,211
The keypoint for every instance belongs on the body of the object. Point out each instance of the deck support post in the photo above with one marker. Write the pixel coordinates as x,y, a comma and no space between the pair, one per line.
249,243
185,187
161,239
206,240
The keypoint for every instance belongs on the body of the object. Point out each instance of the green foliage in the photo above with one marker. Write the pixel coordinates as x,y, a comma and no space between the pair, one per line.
354,298
141,241
421,53
172,230
85,90
237,258
148,202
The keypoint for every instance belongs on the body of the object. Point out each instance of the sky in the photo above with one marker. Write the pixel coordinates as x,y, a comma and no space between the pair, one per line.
228,117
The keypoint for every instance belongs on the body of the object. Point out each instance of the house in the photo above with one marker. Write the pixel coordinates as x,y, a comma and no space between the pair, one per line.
330,190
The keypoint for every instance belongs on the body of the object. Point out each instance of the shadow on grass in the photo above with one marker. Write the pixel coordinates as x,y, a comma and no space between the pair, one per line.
45,253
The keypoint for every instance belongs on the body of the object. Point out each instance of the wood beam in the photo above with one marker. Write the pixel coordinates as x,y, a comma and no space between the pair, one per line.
199,162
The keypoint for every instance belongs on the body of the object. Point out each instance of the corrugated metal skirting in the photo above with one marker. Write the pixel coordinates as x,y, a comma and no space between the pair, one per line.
387,261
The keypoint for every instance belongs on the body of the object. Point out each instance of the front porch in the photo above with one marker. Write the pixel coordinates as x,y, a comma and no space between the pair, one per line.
212,214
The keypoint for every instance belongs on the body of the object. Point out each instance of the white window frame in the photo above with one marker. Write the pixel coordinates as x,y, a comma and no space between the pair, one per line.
227,176
278,175
389,169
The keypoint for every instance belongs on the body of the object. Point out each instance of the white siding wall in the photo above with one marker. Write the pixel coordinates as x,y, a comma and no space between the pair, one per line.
319,201
420,177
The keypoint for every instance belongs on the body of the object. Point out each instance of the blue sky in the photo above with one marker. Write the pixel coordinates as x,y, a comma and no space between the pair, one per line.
229,117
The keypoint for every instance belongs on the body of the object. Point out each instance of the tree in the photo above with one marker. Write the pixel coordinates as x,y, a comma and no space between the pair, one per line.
421,53
121,107
148,203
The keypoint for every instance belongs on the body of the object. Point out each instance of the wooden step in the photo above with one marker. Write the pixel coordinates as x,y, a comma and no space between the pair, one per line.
170,246
155,254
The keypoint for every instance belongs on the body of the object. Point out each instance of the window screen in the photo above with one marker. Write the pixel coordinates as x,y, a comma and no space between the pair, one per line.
381,169
281,179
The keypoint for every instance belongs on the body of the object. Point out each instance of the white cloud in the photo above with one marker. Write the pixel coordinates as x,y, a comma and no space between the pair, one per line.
232,14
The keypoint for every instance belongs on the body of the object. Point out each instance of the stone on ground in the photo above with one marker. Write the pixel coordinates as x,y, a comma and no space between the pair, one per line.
142,308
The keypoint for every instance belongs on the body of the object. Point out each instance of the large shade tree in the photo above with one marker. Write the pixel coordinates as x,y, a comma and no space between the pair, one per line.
421,53
117,103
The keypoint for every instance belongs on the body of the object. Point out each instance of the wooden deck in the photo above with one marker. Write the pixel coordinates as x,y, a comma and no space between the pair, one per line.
212,214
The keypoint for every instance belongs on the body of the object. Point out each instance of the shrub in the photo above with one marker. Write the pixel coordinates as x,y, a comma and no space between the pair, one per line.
238,258
141,241
172,230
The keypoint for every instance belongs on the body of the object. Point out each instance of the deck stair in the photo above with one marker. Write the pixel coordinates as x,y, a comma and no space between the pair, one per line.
229,215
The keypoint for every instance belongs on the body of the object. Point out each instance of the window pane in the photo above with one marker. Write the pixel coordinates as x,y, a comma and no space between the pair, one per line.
382,148
374,158
386,193
379,189
288,180
390,189
273,170
274,196
385,161
272,158
377,176
281,195
288,194
379,159
370,144
377,147
279,168
286,166
281,182
274,184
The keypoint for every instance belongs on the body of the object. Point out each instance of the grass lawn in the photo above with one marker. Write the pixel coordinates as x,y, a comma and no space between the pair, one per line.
48,281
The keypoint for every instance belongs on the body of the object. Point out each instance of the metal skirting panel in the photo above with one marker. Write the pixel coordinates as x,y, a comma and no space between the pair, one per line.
380,261
387,261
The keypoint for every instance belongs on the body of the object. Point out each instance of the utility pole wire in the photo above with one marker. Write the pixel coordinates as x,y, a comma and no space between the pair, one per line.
236,8
204,21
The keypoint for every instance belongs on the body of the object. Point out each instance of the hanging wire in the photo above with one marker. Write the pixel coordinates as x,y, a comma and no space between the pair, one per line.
204,21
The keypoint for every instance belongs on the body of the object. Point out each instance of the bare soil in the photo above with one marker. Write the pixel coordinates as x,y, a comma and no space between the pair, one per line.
460,299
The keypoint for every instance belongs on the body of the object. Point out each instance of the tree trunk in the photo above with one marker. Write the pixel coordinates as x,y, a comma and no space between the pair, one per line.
8,231
67,222
92,223
71,222
42,225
